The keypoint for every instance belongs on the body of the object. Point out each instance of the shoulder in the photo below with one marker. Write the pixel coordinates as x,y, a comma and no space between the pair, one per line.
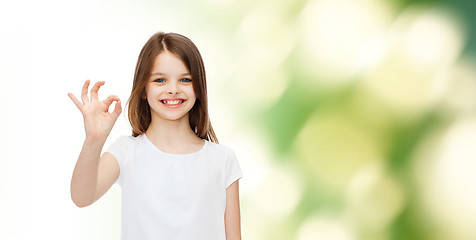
122,147
221,149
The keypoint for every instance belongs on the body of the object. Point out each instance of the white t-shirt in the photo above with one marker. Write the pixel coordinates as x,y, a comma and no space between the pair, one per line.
173,196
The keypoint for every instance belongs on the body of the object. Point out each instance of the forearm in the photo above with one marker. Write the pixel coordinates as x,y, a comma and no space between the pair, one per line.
232,212
85,174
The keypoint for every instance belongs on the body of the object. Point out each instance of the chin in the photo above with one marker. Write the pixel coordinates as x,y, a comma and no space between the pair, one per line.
174,117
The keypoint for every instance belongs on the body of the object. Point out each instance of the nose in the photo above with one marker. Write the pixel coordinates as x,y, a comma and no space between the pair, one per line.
173,88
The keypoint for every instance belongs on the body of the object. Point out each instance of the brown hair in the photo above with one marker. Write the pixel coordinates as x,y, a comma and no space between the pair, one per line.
139,109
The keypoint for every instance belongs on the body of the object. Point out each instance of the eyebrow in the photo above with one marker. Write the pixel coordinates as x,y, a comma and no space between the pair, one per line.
163,74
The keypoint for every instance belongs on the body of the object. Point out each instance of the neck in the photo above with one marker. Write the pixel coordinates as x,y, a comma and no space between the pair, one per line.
173,132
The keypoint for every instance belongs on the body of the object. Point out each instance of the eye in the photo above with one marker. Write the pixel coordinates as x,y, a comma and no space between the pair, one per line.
186,80
159,80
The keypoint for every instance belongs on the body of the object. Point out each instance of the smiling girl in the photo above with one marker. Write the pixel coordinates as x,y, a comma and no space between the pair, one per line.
177,182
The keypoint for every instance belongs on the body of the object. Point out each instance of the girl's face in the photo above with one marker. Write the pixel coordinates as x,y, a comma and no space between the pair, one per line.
169,89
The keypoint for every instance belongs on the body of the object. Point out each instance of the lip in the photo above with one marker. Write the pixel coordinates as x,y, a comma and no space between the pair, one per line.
172,99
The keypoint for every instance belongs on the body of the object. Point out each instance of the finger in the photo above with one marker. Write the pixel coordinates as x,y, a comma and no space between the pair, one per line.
108,101
95,89
117,110
76,101
84,92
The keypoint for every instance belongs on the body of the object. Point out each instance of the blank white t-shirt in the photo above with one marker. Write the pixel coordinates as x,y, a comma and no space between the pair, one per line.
173,196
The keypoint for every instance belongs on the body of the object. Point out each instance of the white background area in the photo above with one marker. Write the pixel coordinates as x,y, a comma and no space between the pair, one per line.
47,49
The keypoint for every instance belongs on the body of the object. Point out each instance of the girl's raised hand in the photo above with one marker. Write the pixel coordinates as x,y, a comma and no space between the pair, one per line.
98,121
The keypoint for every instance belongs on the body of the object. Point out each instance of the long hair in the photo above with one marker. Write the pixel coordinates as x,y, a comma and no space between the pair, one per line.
138,107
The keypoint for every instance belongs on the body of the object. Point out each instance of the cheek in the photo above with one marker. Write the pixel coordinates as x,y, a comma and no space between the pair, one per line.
152,92
191,92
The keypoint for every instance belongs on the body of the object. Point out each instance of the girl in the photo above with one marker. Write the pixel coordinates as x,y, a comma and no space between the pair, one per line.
177,181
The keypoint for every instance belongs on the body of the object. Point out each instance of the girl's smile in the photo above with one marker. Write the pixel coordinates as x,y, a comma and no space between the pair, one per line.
173,103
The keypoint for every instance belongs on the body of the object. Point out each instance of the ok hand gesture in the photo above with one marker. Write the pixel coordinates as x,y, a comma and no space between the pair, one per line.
98,121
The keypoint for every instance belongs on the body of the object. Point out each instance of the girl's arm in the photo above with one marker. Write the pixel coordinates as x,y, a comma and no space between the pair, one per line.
93,175
232,212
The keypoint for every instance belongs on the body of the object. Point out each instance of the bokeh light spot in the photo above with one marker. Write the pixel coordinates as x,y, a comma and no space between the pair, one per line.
336,31
374,198
321,227
334,149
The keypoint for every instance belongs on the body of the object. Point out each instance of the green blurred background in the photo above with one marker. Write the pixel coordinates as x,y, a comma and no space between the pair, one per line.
367,112
351,119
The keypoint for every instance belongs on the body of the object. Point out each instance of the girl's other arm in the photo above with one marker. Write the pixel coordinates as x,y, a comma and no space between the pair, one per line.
232,212
93,175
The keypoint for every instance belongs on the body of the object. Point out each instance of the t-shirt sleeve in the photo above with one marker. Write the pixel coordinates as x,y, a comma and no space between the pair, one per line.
119,150
232,168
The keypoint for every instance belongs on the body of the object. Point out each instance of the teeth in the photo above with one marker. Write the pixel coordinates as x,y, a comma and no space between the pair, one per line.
172,102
